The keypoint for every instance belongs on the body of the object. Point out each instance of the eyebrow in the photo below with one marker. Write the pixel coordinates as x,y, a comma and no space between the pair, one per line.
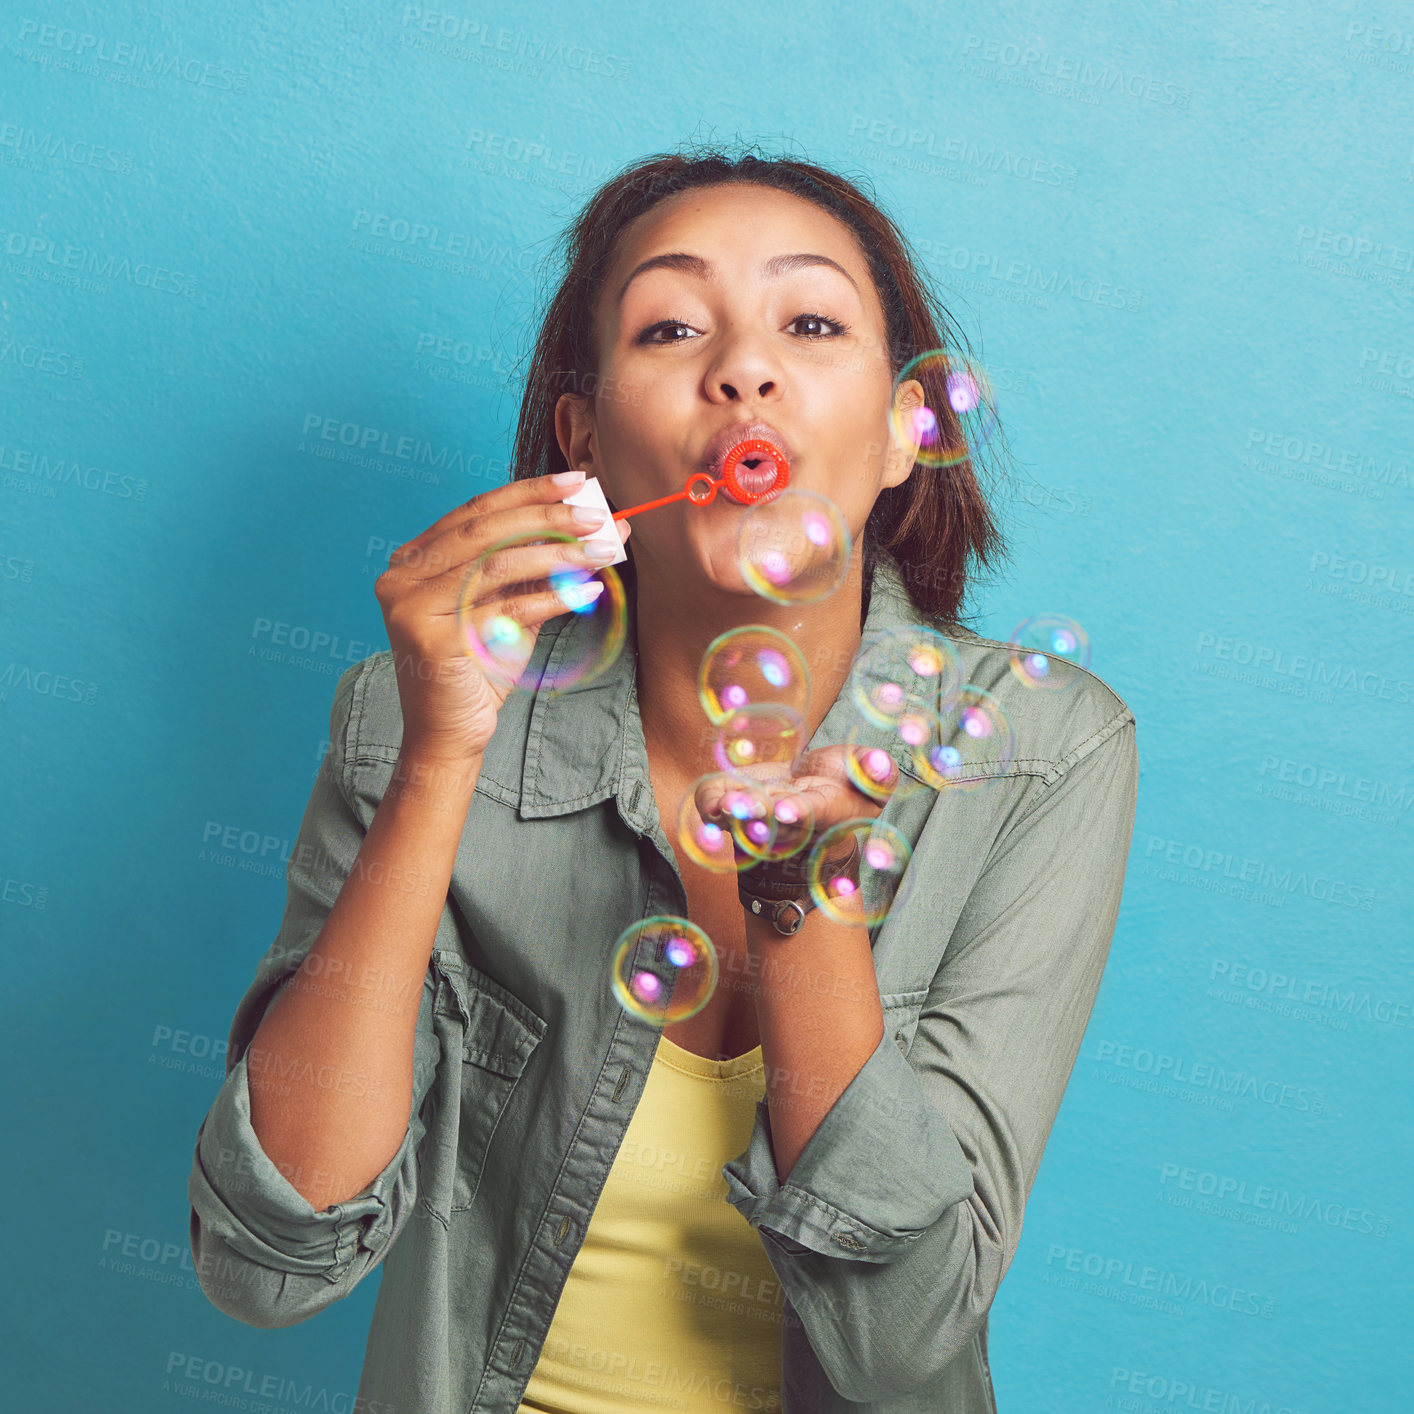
695,265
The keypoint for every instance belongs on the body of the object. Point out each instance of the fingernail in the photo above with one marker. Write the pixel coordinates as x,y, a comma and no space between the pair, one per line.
599,552
590,517
567,478
880,765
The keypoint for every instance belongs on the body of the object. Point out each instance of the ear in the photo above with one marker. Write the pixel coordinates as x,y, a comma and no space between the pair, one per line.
899,460
575,432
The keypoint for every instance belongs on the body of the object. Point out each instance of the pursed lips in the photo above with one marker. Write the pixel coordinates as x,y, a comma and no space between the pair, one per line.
754,474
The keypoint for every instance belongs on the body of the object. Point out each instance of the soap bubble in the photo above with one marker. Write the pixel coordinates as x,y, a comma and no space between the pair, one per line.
794,548
973,733
746,832
705,842
758,748
751,665
857,871
794,818
869,767
1046,649
664,969
959,416
902,667
768,819
871,750
502,645
747,816
765,734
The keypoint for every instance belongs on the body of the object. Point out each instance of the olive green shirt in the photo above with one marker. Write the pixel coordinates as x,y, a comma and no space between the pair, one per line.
903,1212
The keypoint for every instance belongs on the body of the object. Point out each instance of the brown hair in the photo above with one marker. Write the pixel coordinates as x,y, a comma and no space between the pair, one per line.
932,524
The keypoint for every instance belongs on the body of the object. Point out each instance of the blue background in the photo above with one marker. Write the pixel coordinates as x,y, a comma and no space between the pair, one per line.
1180,237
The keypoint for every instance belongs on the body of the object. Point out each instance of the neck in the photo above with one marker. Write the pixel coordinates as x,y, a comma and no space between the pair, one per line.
673,627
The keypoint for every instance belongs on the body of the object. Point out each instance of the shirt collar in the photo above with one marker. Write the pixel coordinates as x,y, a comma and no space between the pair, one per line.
585,743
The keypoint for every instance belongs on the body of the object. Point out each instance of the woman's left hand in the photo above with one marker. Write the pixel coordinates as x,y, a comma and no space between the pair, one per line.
818,788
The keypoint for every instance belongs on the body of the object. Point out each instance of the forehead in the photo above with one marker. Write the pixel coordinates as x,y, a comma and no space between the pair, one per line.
736,227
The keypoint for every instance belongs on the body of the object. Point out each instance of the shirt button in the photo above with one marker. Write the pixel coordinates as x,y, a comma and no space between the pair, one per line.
902,1044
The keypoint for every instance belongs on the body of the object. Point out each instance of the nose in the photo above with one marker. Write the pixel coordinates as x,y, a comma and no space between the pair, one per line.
743,371
730,392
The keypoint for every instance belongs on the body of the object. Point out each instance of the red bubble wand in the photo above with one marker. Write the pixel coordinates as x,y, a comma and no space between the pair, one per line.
707,485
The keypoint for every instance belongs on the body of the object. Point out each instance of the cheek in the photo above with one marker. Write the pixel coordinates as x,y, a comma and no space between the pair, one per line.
863,443
860,423
855,491
621,465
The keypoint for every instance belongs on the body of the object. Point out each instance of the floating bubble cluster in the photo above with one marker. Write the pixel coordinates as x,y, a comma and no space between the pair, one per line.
752,665
794,548
1046,649
959,417
664,969
545,568
917,725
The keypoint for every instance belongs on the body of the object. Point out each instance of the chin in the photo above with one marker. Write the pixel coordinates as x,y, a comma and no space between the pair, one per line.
728,579
719,565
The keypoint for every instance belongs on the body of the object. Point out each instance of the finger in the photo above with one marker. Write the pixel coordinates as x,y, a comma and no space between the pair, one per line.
872,762
513,569
528,610
723,791
494,548
829,800
528,491
462,544
833,763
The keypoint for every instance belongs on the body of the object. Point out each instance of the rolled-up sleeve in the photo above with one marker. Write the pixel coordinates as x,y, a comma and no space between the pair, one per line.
844,1198
262,1253
900,1217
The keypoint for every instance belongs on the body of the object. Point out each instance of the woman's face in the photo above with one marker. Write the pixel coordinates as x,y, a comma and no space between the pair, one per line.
755,305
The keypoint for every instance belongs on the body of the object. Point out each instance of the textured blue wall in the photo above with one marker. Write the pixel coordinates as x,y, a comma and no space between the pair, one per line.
1181,237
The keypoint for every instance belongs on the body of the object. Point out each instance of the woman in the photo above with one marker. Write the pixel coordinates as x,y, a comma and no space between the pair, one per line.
448,1083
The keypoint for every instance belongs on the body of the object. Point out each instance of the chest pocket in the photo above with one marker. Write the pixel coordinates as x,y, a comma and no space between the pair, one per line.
494,1033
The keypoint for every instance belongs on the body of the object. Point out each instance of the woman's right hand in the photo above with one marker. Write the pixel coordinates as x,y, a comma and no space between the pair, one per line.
449,701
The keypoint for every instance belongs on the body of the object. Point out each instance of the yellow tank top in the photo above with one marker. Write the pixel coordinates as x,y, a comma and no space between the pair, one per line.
671,1302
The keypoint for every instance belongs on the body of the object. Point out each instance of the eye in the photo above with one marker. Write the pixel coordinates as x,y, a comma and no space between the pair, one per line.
827,329
820,319
646,337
